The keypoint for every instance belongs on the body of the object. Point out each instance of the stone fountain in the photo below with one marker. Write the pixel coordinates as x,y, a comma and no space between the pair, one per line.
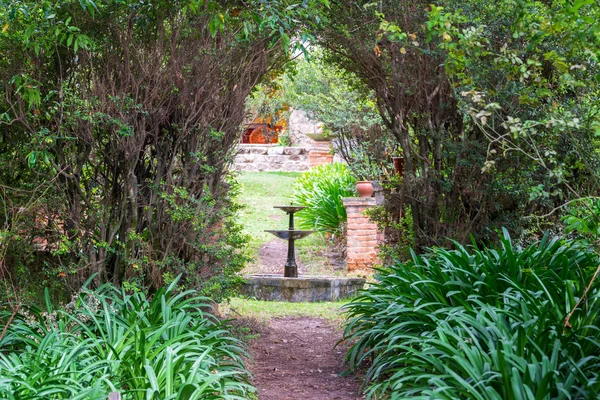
293,288
291,235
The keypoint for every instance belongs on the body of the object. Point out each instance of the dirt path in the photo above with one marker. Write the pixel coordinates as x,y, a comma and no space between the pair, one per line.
296,360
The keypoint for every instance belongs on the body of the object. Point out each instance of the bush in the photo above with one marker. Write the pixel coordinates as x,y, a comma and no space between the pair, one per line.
163,348
481,324
321,190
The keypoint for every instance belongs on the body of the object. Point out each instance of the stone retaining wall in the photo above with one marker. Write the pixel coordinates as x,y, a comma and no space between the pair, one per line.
301,289
261,157
271,157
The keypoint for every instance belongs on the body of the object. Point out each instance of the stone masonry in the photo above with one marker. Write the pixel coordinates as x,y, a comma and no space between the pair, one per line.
265,157
271,157
362,236
301,289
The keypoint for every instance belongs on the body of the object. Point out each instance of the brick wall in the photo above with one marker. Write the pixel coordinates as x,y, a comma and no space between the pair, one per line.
362,236
319,154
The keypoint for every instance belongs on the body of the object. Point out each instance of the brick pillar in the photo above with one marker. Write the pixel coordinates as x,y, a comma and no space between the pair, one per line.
319,154
362,236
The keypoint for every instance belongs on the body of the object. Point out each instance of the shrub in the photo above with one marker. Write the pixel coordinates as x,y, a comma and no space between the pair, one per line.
163,348
321,190
481,324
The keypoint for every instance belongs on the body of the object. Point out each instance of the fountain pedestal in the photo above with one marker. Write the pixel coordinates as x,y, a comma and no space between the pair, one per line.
291,235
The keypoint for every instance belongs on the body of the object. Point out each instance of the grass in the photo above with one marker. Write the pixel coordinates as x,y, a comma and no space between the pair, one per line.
260,192
262,311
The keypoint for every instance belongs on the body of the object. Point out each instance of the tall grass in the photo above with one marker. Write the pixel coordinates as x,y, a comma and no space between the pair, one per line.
106,340
481,324
321,190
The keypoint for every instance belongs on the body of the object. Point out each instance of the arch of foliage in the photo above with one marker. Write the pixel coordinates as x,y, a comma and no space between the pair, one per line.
495,106
117,123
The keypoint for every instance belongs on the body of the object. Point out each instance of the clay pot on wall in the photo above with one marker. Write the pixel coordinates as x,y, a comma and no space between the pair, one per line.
364,188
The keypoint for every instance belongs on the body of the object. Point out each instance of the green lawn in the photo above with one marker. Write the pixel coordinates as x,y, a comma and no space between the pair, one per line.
262,311
260,192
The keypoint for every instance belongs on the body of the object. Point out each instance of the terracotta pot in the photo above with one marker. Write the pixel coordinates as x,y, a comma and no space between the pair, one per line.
364,188
398,165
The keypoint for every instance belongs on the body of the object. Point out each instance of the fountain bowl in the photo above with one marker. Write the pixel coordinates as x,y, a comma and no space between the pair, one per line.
290,209
290,234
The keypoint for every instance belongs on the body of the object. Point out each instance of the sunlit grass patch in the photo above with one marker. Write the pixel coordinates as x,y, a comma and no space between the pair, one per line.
265,310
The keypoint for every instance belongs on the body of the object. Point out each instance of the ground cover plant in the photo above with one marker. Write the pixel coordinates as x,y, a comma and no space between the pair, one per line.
481,324
165,347
321,190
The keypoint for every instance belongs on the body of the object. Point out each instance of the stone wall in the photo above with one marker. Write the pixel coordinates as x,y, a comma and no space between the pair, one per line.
362,236
265,157
302,289
299,124
271,157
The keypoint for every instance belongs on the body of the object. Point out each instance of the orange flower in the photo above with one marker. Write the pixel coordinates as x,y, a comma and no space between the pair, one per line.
377,51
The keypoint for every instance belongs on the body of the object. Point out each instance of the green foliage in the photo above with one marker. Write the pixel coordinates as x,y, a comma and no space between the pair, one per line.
347,109
329,94
400,238
481,324
163,347
113,160
321,190
527,77
465,87
583,219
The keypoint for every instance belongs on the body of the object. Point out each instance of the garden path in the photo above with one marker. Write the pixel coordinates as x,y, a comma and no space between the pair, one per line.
296,359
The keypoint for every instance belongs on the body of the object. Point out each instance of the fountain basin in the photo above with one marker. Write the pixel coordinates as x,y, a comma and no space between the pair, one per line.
290,234
290,208
302,289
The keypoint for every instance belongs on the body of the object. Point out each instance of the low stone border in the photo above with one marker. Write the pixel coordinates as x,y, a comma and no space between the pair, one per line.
270,158
301,289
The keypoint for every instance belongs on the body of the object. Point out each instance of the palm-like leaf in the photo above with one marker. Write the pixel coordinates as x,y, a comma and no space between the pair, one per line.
163,348
481,324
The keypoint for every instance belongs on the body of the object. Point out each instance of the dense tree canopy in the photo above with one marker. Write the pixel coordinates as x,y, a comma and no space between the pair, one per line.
118,124
118,119
467,87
